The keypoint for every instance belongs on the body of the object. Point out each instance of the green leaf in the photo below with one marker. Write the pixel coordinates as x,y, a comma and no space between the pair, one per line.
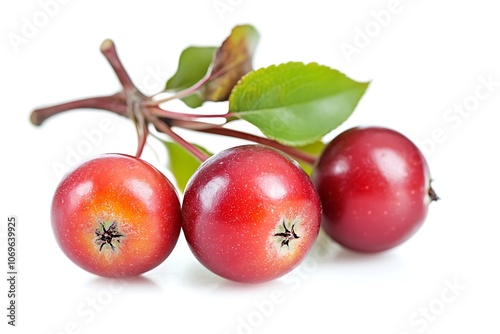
181,163
194,64
217,70
294,103
193,101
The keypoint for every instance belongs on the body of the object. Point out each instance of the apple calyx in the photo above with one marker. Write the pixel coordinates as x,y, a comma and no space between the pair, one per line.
107,236
432,194
287,235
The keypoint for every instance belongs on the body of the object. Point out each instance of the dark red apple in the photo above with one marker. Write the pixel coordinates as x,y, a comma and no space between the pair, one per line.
374,186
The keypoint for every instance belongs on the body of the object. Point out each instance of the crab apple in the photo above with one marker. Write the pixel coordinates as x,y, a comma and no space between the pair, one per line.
251,214
374,185
116,216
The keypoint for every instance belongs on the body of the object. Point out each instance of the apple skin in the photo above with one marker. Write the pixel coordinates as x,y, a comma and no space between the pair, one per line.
374,185
125,191
251,214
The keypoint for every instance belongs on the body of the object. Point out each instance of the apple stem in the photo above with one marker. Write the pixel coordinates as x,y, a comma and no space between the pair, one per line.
296,153
219,130
194,88
142,136
114,103
108,49
134,103
181,94
160,112
165,128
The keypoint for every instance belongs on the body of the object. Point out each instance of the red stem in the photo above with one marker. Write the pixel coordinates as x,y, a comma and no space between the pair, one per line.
219,130
114,103
160,112
142,136
195,87
163,127
139,117
298,154
181,94
108,49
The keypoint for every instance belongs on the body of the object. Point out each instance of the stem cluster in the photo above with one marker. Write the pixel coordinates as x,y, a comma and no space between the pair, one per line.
145,111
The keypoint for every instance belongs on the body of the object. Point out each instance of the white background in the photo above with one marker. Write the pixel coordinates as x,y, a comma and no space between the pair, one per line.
427,57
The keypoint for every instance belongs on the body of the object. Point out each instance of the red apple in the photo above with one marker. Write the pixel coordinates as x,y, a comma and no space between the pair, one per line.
251,214
116,216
